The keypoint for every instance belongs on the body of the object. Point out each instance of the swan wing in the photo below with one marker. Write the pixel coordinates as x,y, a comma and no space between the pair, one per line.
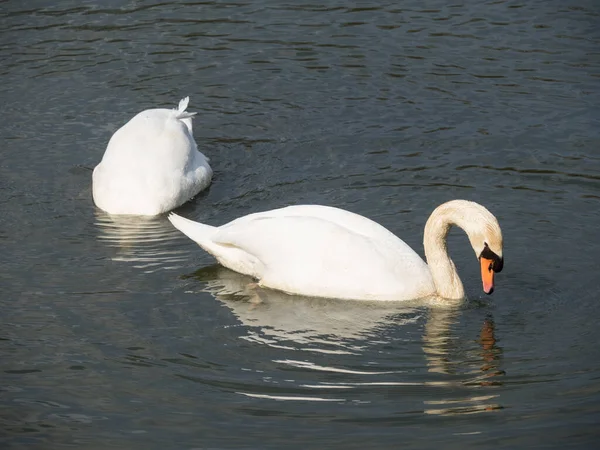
320,251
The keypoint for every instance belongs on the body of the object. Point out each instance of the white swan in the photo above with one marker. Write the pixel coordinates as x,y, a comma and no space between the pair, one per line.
151,164
322,251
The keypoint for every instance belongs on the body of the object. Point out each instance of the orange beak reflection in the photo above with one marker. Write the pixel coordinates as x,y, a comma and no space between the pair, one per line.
487,275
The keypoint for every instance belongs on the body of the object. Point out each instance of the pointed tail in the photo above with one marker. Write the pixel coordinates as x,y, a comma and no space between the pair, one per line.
196,231
181,109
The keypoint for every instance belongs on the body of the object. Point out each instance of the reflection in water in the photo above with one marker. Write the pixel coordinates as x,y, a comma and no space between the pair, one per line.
345,327
439,343
280,319
445,355
490,354
148,242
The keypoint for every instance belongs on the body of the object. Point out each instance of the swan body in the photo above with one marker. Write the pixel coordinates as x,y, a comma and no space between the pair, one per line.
321,251
151,164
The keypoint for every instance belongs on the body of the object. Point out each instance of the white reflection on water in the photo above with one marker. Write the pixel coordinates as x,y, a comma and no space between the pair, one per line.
292,398
467,405
148,242
459,369
286,321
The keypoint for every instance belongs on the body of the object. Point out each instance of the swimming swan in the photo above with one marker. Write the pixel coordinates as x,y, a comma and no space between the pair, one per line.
321,251
151,164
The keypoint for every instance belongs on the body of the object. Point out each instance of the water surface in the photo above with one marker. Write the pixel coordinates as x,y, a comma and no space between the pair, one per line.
124,334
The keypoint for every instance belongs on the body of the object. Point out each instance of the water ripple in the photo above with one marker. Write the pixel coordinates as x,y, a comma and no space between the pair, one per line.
385,109
149,243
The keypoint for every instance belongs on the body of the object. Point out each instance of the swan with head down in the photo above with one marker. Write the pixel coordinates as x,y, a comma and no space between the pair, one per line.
321,251
151,164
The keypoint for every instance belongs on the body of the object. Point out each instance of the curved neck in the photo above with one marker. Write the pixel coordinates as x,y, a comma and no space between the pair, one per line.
446,279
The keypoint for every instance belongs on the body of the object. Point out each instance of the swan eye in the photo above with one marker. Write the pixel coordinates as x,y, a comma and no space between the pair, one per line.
496,263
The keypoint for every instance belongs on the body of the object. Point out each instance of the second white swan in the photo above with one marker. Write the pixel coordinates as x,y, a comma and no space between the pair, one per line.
151,164
322,251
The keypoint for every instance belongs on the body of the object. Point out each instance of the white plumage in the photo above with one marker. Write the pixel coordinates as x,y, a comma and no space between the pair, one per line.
151,165
315,251
320,251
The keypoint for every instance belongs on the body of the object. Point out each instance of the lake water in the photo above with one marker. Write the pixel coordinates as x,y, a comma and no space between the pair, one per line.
124,334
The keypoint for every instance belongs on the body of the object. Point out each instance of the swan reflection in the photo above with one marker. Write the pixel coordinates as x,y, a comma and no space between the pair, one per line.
442,349
321,325
477,365
459,368
148,242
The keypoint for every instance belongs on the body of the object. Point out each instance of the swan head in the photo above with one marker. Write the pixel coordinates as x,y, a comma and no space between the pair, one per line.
485,236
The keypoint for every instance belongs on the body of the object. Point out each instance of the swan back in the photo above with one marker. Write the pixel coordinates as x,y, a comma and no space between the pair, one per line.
151,164
318,251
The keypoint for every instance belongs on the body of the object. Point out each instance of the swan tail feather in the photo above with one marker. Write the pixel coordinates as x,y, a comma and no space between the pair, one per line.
181,109
197,232
183,104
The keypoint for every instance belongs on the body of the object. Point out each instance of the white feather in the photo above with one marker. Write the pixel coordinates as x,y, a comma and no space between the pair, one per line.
151,165
320,251
316,251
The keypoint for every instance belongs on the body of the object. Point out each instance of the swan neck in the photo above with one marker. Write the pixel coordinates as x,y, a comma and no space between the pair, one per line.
442,268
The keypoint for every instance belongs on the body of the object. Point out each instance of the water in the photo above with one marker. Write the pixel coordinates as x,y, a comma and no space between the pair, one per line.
124,334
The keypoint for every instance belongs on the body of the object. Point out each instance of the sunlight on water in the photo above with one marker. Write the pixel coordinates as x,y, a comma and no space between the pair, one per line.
309,365
467,405
290,398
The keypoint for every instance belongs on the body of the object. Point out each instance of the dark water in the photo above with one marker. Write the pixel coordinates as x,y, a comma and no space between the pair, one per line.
123,334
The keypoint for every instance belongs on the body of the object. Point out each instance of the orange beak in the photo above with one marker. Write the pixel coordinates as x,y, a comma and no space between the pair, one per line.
487,275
